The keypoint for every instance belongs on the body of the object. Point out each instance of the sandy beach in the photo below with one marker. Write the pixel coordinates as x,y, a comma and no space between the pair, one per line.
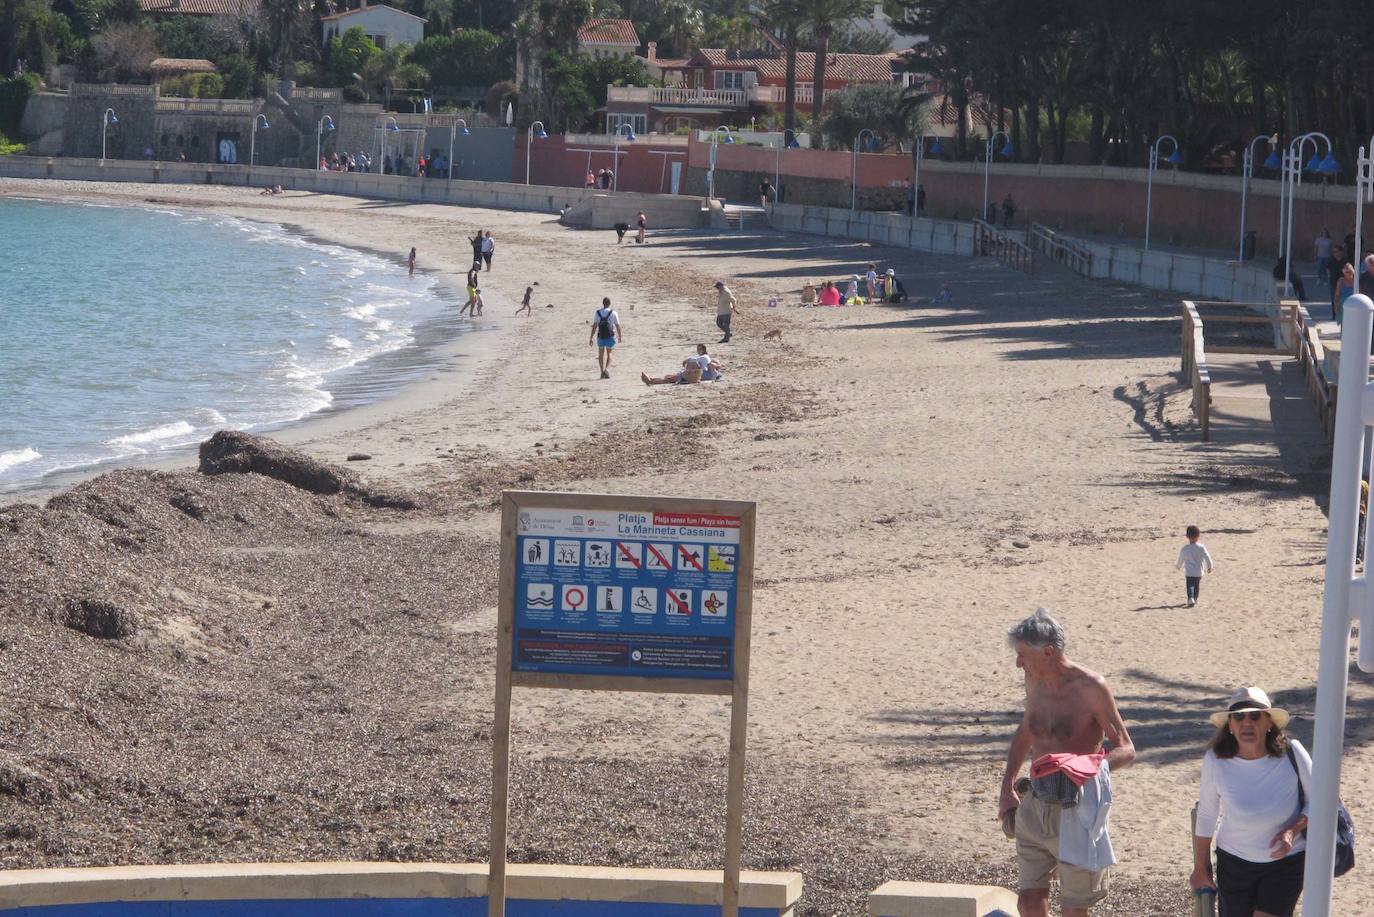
310,677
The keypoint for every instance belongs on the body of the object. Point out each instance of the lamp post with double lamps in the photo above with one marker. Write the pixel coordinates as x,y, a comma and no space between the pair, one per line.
628,132
854,164
1174,158
1007,151
253,138
1364,192
529,144
1248,170
326,123
452,136
106,119
1327,166
711,172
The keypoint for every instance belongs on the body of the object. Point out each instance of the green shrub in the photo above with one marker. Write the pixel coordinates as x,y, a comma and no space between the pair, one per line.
239,76
194,86
14,95
8,148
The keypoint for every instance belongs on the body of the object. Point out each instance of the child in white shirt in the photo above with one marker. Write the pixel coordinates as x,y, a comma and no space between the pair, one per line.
1194,561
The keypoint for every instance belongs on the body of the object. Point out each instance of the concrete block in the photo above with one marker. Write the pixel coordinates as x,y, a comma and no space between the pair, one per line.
938,899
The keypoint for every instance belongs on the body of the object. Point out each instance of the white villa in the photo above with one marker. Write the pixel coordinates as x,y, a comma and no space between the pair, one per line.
383,24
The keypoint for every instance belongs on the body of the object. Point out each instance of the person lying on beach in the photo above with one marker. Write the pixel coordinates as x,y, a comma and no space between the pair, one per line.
699,368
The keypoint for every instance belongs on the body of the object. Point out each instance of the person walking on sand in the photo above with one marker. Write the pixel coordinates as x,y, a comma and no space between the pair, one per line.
525,303
606,334
1194,561
643,225
471,304
1060,824
726,309
410,262
476,243
488,248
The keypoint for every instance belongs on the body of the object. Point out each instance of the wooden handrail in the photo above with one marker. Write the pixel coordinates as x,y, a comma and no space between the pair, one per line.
1061,249
1195,368
989,240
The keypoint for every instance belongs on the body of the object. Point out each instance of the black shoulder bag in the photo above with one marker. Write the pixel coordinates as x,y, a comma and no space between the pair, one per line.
1345,826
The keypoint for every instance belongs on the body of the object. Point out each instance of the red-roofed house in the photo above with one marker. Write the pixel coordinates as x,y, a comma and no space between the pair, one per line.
238,8
608,38
718,86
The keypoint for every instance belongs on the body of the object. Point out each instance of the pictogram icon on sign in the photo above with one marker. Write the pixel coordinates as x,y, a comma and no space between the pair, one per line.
608,599
574,598
645,601
658,557
567,553
628,555
720,558
539,596
715,603
598,554
690,558
536,551
679,602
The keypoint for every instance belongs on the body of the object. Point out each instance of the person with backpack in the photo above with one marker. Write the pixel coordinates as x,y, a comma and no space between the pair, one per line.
606,333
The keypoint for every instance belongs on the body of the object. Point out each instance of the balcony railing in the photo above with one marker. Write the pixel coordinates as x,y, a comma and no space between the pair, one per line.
678,95
777,95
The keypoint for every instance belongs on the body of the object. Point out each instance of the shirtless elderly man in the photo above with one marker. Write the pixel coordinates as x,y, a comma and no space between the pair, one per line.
1061,824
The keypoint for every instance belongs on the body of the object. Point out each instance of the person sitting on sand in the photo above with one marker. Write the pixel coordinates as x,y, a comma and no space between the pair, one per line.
893,291
830,294
698,368
809,294
851,293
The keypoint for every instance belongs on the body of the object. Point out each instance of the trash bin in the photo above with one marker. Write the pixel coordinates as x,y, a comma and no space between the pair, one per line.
1248,248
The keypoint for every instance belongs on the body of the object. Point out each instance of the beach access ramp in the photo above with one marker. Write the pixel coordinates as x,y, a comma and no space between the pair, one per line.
1258,373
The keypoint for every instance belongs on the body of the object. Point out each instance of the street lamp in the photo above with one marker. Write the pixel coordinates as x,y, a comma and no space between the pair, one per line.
629,133
711,173
1008,151
326,122
106,120
253,138
1248,170
453,135
1327,166
854,165
529,141
1175,158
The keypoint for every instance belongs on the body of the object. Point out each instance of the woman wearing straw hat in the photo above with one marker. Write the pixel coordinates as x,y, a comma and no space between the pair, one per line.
1252,776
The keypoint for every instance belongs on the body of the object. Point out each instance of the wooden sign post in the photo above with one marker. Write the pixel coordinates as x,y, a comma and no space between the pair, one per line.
619,593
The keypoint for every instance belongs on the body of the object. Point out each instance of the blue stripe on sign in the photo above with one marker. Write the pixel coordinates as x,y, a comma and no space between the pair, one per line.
374,907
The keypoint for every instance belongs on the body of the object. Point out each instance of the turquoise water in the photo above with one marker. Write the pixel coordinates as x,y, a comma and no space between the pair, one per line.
128,333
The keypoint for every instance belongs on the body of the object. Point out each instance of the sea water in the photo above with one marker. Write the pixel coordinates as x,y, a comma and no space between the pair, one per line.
127,332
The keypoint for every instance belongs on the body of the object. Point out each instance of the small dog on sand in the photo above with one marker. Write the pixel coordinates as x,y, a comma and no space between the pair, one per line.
774,335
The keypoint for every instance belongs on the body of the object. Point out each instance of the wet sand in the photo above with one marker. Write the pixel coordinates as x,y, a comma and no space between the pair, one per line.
310,677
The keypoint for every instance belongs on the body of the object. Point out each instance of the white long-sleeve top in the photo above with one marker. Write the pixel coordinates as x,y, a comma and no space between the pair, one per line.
1193,558
1243,804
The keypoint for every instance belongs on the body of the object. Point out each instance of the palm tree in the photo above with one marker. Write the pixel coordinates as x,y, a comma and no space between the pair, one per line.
283,22
788,16
824,16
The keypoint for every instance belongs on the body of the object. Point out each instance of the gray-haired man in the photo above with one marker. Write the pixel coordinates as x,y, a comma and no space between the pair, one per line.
1061,825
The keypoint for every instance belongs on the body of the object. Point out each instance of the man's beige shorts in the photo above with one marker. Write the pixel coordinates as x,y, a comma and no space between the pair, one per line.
1037,857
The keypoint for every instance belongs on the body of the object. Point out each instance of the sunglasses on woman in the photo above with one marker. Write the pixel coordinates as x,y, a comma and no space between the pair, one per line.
1240,715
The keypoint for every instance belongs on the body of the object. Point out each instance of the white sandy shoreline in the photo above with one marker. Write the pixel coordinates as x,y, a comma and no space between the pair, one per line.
936,475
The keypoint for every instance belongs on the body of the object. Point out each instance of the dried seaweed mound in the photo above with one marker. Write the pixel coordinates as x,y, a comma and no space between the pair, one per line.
235,452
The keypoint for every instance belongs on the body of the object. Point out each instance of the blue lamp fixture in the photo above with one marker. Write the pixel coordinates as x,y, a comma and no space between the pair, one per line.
1008,150
1273,162
1329,165
936,149
1315,163
1175,158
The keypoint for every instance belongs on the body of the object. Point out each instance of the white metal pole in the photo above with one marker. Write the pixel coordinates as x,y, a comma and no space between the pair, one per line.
615,163
1244,191
253,145
1295,179
854,177
987,171
452,135
777,165
1150,190
916,186
529,143
1333,666
1283,200
103,126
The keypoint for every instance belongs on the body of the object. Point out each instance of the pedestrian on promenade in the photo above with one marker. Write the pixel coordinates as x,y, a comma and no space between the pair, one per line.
765,192
1294,278
1255,784
643,225
591,180
606,333
1345,288
1008,210
725,309
1194,561
410,262
1060,824
1321,250
910,197
920,199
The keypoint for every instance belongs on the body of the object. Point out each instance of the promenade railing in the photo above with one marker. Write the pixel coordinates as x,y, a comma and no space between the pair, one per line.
1060,249
1195,368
